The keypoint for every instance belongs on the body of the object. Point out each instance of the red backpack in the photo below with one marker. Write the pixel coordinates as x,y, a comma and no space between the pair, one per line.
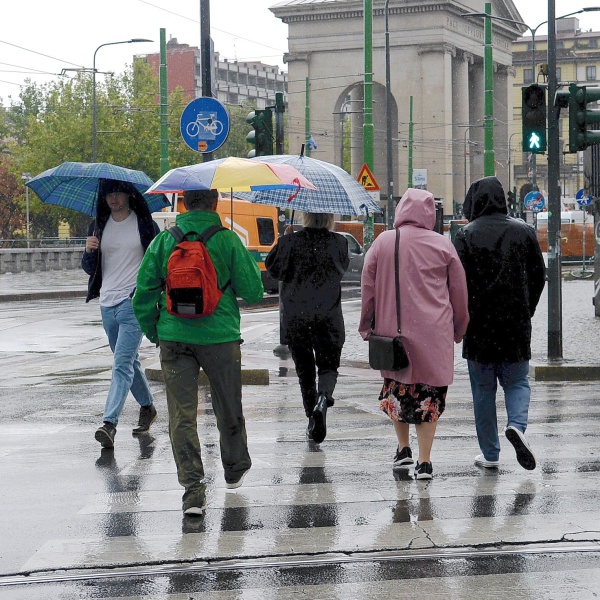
192,289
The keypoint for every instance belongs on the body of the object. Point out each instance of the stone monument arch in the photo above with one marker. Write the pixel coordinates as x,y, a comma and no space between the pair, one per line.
348,115
436,56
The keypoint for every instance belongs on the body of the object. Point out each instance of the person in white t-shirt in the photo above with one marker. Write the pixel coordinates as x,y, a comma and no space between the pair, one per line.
116,243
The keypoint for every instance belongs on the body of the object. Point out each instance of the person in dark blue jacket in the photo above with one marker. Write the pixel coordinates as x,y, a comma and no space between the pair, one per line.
116,243
506,275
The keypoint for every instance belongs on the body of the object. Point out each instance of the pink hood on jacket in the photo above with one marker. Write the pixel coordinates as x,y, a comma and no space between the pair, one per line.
416,207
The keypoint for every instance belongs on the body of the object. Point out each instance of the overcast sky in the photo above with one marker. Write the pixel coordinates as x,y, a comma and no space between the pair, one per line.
40,38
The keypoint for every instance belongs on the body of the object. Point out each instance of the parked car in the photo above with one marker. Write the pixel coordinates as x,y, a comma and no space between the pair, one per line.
357,258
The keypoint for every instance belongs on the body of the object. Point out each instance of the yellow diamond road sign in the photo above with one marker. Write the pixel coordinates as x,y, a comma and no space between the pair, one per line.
367,180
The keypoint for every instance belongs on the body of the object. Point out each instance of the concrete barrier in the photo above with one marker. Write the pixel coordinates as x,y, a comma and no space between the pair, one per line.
39,259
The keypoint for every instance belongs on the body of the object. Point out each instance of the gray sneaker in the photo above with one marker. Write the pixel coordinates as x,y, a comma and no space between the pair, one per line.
525,455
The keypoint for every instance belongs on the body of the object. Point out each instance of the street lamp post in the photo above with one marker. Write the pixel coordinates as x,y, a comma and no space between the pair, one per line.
94,108
388,118
26,177
467,128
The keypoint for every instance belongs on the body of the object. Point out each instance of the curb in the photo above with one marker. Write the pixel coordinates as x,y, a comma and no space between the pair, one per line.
564,372
57,294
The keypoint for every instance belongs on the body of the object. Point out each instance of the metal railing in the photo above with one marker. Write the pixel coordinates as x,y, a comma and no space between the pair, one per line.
44,242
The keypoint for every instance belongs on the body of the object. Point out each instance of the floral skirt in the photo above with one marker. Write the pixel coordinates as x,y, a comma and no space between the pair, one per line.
412,403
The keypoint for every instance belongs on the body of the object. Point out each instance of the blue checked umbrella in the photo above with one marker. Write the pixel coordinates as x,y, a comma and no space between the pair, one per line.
337,192
75,185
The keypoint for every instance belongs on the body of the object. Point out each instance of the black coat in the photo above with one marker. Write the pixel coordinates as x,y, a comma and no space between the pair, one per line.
147,228
310,263
505,277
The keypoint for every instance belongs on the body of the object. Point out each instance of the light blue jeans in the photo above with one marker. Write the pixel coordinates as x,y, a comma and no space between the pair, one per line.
513,377
124,337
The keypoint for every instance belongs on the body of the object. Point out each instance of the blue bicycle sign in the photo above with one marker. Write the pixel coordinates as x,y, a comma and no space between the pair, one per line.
204,124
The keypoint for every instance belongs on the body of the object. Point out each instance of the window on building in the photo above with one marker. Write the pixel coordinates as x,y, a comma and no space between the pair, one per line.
527,75
593,42
558,73
590,73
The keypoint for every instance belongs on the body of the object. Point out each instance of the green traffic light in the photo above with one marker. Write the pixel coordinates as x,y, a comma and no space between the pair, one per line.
534,141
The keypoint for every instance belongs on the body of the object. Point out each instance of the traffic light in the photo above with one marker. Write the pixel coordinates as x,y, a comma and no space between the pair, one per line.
581,118
262,134
534,118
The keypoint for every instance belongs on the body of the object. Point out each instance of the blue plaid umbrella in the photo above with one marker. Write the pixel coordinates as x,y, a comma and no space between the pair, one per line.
337,192
75,185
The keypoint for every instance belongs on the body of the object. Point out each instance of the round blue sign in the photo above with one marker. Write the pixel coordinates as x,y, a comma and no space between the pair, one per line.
204,125
534,201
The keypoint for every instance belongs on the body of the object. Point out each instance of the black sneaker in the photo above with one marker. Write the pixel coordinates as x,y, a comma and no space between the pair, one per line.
525,456
403,457
310,428
147,417
320,418
423,470
106,435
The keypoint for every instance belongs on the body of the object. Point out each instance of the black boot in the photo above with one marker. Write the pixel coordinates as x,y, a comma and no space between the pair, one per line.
320,417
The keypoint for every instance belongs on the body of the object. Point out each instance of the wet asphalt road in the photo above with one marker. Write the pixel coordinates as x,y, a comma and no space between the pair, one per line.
328,521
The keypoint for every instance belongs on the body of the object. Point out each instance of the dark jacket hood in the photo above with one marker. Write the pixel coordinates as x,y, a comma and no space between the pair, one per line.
485,197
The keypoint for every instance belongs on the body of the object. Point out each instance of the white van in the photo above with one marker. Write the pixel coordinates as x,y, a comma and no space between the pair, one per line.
566,216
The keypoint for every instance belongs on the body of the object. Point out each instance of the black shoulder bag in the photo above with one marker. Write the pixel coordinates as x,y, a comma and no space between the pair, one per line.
385,353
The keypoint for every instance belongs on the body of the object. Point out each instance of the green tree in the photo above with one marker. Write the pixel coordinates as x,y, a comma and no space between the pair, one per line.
11,193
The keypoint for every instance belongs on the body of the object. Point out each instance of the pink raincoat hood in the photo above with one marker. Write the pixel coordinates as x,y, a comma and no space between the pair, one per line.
416,207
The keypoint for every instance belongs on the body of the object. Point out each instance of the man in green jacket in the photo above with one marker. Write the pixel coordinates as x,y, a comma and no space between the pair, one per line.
211,342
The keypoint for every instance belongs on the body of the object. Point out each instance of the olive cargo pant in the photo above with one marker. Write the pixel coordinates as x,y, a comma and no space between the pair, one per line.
181,364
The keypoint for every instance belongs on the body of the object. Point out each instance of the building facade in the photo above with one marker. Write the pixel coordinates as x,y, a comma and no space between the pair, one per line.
577,61
436,58
233,82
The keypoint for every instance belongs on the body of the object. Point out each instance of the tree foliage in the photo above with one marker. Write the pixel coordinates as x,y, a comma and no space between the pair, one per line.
52,123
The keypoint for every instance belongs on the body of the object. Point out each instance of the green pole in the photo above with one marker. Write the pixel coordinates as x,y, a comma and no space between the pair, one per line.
164,105
368,131
307,117
489,159
410,142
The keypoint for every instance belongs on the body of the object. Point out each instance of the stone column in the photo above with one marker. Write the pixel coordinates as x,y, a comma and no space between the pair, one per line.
503,102
436,120
461,130
299,70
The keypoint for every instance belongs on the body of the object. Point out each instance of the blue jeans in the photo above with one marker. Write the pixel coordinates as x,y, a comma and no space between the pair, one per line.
513,378
124,336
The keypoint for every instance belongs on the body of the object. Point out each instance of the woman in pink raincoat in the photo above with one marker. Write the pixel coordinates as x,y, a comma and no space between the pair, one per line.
433,315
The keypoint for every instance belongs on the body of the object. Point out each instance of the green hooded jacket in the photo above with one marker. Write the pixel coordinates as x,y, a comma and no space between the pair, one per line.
232,262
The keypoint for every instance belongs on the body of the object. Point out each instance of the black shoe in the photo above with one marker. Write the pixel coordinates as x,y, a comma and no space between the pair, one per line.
320,416
106,435
310,428
525,455
403,458
147,417
423,470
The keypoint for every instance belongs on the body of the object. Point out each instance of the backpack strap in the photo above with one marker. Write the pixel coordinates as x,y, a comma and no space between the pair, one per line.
209,232
176,233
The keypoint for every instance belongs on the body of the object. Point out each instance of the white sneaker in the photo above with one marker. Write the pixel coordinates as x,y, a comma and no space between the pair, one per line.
480,461
194,510
525,455
233,485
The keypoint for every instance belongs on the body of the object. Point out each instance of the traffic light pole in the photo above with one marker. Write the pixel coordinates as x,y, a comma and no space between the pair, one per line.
555,349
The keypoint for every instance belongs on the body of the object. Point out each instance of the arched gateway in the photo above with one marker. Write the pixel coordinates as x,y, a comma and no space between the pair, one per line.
436,56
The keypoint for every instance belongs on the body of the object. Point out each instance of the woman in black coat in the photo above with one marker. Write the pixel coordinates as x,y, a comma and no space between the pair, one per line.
310,264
